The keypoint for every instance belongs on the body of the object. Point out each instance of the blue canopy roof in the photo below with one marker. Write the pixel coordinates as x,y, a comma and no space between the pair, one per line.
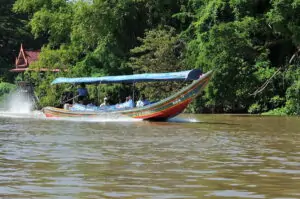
146,77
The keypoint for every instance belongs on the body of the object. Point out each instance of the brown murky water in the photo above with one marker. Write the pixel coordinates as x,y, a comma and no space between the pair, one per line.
215,157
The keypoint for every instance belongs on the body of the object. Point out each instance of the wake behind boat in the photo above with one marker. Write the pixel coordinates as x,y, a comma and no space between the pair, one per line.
161,110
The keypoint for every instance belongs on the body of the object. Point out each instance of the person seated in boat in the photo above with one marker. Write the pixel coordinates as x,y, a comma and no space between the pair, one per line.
127,104
130,103
105,102
142,101
82,93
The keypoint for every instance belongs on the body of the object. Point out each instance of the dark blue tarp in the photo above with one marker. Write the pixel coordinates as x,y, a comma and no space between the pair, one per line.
146,77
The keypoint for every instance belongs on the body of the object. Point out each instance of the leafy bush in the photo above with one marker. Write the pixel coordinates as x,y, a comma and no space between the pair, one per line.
255,108
293,99
278,111
5,89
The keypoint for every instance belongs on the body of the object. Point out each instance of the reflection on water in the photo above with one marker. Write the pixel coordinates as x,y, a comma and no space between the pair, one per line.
208,156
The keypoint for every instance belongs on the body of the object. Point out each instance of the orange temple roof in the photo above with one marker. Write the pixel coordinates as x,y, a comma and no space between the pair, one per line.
25,58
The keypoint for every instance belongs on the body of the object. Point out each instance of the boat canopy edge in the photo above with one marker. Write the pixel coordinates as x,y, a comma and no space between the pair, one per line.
146,77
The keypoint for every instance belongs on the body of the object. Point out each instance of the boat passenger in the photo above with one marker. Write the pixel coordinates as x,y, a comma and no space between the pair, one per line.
130,102
127,104
105,103
82,92
142,101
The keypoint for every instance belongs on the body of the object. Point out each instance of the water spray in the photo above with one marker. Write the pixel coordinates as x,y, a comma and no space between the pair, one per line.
18,102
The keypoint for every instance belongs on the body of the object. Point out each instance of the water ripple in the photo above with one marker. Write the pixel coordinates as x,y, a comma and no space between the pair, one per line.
215,157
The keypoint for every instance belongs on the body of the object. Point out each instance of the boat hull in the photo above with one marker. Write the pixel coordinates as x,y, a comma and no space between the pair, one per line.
162,110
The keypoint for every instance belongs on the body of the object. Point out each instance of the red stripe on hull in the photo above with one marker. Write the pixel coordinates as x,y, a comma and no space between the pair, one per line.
50,115
168,113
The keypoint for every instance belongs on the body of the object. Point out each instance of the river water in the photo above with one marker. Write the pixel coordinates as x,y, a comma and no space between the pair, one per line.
193,156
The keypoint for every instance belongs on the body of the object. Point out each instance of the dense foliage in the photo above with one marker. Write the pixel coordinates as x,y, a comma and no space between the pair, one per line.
5,90
253,47
13,32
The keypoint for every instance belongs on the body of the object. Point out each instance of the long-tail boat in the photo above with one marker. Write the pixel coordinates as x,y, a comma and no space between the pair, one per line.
161,110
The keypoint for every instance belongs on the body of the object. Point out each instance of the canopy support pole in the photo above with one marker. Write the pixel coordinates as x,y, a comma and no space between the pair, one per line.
133,91
97,95
73,85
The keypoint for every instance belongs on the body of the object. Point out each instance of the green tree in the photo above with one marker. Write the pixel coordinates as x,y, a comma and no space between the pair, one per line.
253,46
92,38
160,51
239,40
13,31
